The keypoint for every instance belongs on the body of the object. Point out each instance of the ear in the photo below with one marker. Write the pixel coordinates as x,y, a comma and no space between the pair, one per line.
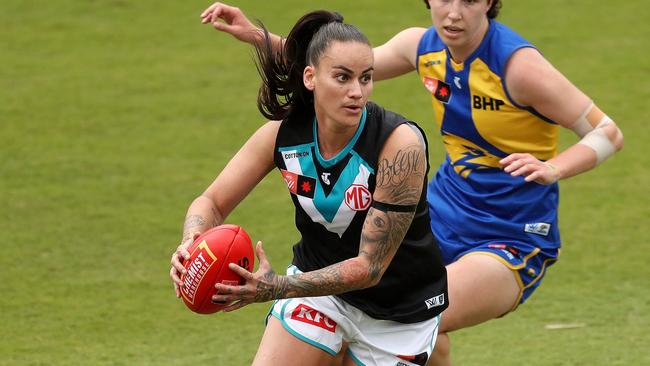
308,78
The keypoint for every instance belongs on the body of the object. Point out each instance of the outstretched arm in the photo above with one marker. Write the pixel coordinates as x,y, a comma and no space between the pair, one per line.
533,81
400,180
232,20
229,188
393,58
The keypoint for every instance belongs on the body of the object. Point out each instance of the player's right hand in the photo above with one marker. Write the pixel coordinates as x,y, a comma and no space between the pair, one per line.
231,20
180,255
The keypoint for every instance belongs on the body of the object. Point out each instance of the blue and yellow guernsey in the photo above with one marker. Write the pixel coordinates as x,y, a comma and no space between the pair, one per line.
472,201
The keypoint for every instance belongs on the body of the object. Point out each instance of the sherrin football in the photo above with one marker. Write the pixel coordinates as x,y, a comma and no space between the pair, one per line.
208,264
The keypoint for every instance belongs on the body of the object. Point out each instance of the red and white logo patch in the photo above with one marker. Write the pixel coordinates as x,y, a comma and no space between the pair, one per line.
291,179
197,270
358,197
306,314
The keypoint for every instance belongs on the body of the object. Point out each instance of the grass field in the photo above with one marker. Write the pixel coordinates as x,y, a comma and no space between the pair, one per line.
115,114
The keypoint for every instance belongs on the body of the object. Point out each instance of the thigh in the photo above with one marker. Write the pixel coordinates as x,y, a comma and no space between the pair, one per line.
480,288
279,347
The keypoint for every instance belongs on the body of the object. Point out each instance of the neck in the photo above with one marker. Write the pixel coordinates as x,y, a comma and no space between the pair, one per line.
460,54
331,140
332,136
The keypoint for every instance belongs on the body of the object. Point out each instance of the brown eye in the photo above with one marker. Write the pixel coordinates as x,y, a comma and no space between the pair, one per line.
342,78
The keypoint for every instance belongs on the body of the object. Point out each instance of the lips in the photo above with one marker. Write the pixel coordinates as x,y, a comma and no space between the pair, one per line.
353,108
451,30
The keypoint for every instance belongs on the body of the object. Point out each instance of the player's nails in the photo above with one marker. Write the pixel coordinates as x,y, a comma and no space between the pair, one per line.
186,256
184,271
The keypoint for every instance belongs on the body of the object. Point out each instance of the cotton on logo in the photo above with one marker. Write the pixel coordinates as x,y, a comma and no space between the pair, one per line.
358,197
306,314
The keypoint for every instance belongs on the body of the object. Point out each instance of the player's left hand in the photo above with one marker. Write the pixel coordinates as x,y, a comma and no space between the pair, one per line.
260,286
531,168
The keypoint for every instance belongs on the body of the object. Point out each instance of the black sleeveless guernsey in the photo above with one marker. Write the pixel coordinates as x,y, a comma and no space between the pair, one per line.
331,199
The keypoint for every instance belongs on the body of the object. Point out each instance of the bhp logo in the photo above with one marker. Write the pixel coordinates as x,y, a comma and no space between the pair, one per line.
306,314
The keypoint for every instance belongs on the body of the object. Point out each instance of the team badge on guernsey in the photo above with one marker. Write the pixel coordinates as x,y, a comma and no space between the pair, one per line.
438,88
299,184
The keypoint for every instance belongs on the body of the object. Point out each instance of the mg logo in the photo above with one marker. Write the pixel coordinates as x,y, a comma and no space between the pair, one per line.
358,197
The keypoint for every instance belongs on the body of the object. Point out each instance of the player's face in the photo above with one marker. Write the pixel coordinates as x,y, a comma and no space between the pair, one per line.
341,82
460,23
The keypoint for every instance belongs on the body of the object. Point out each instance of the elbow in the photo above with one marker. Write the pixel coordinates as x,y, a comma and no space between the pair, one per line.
618,142
360,273
614,135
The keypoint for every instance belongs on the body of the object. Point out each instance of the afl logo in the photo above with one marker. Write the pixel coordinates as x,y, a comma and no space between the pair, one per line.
358,197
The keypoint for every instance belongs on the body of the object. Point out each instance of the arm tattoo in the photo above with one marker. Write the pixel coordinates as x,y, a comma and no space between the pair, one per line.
400,181
192,222
382,235
395,176
325,281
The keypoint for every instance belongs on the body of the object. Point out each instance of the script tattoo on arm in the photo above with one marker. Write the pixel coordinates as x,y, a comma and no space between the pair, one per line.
402,176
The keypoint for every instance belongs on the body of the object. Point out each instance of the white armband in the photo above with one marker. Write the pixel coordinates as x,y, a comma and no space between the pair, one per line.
589,126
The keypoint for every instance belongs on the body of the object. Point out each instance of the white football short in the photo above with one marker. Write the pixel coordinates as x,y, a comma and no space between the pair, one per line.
326,321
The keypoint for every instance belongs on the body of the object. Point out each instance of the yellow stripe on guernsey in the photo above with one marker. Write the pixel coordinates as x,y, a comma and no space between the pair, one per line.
506,127
516,130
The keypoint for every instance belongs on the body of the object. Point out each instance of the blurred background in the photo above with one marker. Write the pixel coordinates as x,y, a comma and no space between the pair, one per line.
115,114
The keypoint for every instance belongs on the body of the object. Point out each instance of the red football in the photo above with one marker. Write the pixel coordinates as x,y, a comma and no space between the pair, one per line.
208,264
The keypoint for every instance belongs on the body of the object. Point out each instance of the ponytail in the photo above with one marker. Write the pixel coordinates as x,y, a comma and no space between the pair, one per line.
282,91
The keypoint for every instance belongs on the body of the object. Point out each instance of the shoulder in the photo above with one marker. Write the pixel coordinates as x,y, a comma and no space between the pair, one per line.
406,139
428,41
527,72
410,36
502,44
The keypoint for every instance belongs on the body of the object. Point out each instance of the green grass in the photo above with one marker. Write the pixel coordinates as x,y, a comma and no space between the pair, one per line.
115,114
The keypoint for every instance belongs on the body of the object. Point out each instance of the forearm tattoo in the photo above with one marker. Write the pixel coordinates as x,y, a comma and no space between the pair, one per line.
326,281
192,222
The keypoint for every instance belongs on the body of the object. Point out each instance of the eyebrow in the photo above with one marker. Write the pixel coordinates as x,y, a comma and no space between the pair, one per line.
350,71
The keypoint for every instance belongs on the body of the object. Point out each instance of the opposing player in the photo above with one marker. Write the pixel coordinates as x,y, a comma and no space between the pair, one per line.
499,104
367,270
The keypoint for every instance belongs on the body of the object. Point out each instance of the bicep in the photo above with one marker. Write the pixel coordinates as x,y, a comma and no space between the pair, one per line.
533,81
244,170
400,180
398,55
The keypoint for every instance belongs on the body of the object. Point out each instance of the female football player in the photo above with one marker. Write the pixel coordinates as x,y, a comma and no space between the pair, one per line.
367,271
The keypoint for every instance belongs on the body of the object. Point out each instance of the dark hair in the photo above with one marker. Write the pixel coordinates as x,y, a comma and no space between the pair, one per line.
282,91
492,13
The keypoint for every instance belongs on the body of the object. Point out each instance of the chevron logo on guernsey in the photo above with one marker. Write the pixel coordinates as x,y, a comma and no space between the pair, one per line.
439,89
299,184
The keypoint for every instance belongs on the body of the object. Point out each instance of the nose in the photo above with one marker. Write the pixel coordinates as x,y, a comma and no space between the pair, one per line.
355,91
454,10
